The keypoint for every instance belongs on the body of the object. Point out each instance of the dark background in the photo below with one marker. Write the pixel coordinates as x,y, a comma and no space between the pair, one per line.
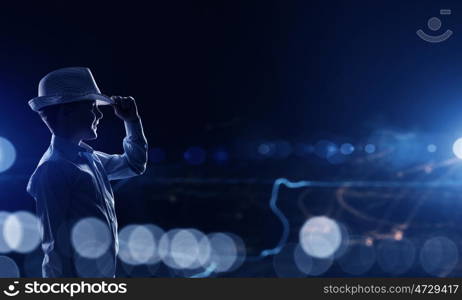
231,75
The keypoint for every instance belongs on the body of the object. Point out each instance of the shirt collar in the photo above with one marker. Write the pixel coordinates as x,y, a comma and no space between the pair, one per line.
67,148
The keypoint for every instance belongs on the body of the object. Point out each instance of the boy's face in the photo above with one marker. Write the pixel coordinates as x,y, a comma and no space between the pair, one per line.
84,118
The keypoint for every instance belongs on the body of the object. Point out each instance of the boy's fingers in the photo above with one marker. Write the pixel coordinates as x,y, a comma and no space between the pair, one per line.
123,102
116,99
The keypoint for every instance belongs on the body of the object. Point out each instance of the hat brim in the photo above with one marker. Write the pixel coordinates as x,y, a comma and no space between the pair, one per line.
38,103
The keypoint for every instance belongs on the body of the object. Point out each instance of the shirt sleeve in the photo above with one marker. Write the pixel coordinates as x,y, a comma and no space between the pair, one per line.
134,159
52,188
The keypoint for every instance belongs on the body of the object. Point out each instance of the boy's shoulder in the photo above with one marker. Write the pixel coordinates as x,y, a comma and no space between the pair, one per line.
50,170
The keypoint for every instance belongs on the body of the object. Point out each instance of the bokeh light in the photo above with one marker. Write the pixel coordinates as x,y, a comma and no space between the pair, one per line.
303,261
189,251
227,252
205,250
91,237
396,257
359,257
124,253
7,154
8,268
95,268
224,252
345,241
457,148
195,155
241,251
142,244
347,148
369,148
320,237
325,149
156,233
22,231
284,263
266,149
220,156
439,256
143,270
283,149
184,249
4,248
303,150
431,148
12,231
309,265
336,158
138,244
164,249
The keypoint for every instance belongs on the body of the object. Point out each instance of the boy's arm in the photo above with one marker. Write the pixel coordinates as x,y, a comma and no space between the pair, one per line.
134,159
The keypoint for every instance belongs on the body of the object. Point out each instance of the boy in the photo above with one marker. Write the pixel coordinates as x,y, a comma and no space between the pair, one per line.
71,180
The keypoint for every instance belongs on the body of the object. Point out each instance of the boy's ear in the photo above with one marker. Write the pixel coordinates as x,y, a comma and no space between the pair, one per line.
66,109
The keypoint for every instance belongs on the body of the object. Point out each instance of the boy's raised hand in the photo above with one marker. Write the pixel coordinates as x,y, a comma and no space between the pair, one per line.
125,108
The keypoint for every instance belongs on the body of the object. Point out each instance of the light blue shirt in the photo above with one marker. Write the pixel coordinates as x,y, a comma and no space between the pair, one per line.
71,182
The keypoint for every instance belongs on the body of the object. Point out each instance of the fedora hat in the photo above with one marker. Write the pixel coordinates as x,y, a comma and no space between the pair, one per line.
68,85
